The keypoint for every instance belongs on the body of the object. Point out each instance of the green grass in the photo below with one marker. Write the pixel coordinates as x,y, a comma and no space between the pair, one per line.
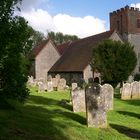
49,116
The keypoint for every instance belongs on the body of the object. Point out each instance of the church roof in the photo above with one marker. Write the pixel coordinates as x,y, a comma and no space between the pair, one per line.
78,53
36,50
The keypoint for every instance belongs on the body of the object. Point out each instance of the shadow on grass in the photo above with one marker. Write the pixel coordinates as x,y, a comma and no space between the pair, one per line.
133,102
64,104
42,119
132,133
129,114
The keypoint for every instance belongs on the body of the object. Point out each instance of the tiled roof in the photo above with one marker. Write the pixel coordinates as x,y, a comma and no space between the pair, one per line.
63,47
78,54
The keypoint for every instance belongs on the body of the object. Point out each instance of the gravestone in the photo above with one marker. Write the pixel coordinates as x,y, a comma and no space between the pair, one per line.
57,76
49,86
135,93
95,106
74,86
126,91
108,91
78,100
30,81
49,78
62,84
41,86
55,82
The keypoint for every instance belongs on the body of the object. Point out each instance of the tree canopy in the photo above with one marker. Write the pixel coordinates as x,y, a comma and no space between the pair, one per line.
15,43
59,38
114,60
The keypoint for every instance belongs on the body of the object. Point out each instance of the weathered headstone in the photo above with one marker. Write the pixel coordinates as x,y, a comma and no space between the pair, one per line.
108,92
57,76
126,91
55,82
95,106
135,93
49,78
78,100
74,86
62,84
30,81
41,86
49,86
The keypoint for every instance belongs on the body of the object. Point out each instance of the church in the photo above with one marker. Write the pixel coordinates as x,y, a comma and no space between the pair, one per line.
72,59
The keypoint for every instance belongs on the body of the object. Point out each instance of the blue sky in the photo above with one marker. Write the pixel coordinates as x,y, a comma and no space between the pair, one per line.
80,17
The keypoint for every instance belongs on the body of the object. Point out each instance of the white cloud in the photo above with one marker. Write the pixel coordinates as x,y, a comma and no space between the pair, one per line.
137,5
42,21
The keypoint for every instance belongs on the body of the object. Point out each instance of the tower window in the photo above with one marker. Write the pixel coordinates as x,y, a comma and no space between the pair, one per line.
138,23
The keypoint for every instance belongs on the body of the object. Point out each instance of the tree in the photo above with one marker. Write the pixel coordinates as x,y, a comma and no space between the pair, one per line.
59,38
114,60
15,43
36,36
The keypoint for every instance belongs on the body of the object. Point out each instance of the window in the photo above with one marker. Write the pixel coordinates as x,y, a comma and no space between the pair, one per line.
138,23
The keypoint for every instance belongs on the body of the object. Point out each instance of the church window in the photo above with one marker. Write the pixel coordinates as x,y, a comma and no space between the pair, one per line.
138,23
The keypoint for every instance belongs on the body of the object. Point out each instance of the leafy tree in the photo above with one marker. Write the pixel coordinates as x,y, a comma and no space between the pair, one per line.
114,60
36,36
60,38
15,43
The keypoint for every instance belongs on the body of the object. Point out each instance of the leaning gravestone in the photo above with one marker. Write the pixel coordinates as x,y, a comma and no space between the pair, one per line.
135,90
78,100
108,92
126,91
62,84
74,86
95,106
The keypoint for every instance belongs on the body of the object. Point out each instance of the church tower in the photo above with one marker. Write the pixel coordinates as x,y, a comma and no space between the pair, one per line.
127,22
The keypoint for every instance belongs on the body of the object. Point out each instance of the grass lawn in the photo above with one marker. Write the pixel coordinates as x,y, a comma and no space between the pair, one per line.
49,116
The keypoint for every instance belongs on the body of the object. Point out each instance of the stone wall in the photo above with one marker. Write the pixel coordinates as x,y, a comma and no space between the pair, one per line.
45,60
88,73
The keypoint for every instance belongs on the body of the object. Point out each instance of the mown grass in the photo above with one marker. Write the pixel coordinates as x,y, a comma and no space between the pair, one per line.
49,116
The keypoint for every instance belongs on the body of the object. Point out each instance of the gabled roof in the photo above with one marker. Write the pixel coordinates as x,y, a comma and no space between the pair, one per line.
78,54
36,50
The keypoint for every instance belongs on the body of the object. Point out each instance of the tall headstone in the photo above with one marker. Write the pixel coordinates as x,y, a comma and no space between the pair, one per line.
126,91
95,106
78,100
62,84
135,90
108,92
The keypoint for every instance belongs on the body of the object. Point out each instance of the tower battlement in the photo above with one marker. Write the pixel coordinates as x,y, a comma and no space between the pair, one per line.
125,20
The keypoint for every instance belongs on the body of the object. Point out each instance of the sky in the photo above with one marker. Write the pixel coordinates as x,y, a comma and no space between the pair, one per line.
74,17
